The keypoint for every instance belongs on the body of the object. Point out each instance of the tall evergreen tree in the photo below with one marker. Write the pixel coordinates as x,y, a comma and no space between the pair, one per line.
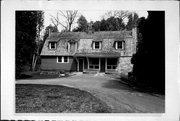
28,27
149,61
132,20
82,24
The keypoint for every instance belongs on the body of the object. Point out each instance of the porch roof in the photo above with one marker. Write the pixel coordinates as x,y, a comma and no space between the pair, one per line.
98,54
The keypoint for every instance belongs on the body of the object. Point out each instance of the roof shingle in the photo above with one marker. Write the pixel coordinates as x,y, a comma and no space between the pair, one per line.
63,38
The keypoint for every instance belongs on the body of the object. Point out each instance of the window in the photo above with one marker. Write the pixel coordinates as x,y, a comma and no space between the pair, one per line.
62,59
119,44
52,45
111,63
65,59
96,45
59,59
94,63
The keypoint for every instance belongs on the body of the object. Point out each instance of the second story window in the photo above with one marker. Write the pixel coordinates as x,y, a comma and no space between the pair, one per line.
52,45
97,45
119,45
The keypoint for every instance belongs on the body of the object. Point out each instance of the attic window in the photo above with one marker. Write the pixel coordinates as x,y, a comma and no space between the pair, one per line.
52,45
97,45
119,44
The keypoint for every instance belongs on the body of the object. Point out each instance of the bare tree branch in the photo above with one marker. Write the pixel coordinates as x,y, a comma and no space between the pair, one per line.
69,17
117,14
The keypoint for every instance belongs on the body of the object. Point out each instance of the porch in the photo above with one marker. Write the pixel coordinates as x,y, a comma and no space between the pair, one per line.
94,64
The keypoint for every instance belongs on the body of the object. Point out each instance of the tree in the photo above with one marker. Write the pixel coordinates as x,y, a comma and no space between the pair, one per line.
103,25
82,24
116,14
132,20
114,24
28,27
39,26
48,29
149,61
112,21
96,26
111,24
69,17
115,20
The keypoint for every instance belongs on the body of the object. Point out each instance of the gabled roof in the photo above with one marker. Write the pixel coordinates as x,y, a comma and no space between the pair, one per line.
84,35
64,37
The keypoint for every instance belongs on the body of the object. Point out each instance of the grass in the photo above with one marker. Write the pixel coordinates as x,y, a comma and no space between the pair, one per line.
31,98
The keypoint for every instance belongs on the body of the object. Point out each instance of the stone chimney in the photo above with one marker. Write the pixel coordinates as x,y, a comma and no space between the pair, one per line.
49,32
134,32
134,28
135,37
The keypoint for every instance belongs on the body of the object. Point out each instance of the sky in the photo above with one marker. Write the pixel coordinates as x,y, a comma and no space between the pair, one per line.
90,15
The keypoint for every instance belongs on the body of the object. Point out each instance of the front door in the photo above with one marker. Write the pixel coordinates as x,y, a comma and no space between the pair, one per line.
102,64
81,65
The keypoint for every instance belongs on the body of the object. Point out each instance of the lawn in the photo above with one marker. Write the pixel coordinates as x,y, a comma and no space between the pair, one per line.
32,98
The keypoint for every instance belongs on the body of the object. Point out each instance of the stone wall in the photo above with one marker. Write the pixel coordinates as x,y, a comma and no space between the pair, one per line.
85,45
124,65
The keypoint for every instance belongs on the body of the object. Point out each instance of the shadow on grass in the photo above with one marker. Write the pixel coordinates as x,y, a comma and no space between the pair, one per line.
38,75
24,76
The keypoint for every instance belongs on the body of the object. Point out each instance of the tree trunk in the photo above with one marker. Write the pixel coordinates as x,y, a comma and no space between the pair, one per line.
34,62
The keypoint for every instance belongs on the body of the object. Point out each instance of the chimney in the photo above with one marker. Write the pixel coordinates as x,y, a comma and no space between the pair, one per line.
134,28
49,32
135,37
134,32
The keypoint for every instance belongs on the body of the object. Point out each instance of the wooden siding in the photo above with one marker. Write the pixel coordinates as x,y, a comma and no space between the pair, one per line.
50,63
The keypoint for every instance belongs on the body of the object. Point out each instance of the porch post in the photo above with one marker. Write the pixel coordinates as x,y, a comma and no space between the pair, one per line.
105,64
119,65
87,62
99,63
77,64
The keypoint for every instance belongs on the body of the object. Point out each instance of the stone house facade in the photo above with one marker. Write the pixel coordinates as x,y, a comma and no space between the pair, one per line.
102,51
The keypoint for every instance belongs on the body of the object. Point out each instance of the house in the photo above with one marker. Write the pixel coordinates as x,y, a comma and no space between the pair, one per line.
101,51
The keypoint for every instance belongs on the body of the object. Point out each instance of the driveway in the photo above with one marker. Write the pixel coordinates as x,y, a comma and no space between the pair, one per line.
120,97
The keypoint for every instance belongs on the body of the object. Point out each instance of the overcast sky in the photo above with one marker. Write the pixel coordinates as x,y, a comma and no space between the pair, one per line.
90,15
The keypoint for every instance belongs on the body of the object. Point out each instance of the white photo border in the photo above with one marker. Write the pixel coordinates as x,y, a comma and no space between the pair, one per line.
172,97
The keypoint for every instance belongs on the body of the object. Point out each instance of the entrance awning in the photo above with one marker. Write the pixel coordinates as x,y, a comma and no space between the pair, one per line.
105,55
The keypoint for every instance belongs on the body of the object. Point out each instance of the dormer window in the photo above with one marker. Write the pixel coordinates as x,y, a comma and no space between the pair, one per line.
97,45
52,45
120,45
71,46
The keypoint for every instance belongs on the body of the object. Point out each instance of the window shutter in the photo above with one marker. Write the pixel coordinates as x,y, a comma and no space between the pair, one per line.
49,45
124,45
55,45
93,45
114,44
68,46
100,45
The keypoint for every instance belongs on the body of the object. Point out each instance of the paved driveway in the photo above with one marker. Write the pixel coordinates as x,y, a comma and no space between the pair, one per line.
118,96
